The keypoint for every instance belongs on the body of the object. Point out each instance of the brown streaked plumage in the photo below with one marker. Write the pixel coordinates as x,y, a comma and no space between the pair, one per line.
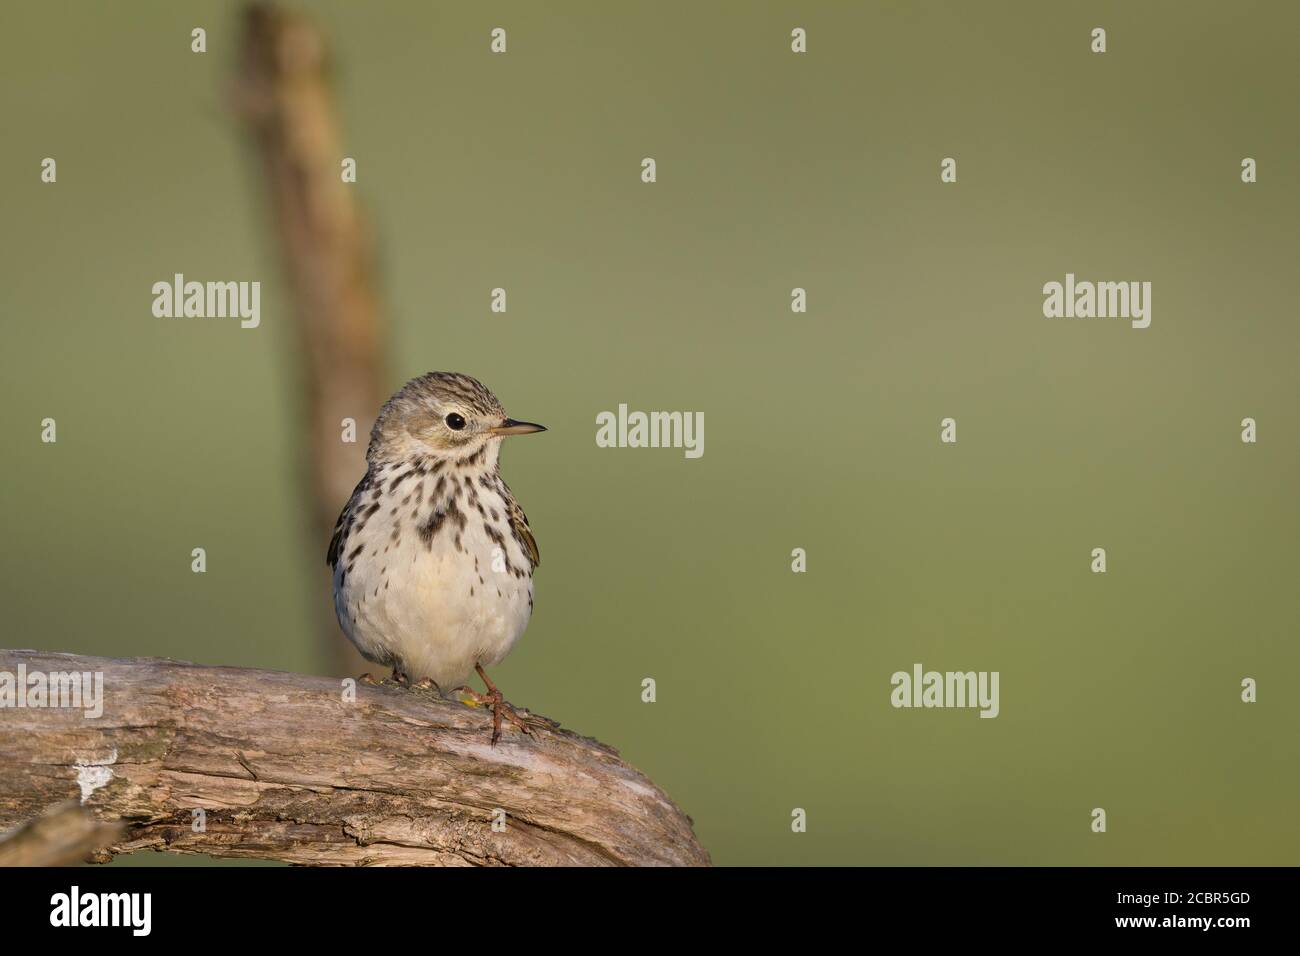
427,530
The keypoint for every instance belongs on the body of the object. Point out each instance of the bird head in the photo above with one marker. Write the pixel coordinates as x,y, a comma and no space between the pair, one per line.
444,415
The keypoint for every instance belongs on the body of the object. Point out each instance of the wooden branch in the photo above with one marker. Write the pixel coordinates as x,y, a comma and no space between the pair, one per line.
284,767
284,97
63,835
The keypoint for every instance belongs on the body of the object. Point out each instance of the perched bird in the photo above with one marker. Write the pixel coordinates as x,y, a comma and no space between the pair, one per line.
432,556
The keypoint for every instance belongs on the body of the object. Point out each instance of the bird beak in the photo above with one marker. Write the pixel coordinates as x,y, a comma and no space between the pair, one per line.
512,427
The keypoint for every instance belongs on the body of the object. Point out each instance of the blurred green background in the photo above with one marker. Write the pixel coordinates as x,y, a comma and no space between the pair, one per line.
775,170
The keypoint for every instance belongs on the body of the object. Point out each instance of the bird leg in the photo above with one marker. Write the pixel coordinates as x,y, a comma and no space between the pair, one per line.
499,706
399,677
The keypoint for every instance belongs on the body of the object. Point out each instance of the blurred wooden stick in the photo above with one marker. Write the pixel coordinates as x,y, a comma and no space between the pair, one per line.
63,835
284,97
287,767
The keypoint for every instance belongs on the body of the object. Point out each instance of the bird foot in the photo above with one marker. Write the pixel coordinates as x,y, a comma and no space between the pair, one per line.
367,678
500,710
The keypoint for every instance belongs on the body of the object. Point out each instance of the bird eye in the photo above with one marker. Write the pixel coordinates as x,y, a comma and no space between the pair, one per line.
455,422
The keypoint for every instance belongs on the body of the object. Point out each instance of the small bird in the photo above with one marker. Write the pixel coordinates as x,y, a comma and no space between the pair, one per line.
432,556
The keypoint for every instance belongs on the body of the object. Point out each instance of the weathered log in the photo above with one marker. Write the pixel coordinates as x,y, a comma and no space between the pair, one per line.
295,768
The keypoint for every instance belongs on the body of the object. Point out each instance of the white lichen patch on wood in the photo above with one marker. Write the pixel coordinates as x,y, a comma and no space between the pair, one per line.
94,775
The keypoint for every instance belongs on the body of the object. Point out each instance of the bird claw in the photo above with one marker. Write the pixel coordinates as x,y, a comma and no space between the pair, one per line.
367,678
500,710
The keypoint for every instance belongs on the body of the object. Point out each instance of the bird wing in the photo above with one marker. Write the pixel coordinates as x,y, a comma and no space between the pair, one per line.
519,525
345,521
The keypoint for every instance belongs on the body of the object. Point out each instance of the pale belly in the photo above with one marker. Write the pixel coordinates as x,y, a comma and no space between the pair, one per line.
431,611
